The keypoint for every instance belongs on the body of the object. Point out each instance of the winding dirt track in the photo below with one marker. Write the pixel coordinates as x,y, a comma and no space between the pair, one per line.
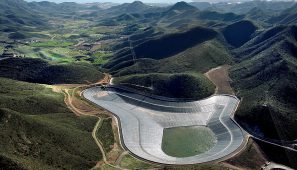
98,142
80,108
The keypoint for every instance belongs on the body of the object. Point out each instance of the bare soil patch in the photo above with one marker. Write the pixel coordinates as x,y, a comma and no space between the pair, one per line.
220,77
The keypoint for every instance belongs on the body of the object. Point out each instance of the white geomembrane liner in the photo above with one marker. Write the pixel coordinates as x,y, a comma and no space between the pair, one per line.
143,119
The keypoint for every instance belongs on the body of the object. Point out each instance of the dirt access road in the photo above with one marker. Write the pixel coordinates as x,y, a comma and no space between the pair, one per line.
80,107
220,77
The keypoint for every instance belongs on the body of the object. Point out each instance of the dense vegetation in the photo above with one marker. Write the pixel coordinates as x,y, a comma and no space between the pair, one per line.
39,71
172,44
105,134
279,155
194,86
36,127
200,57
239,33
160,48
266,80
15,14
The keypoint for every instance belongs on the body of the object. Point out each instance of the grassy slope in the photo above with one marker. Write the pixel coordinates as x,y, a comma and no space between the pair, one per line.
200,58
238,33
105,134
131,163
266,80
39,71
171,44
160,50
100,58
62,54
17,20
71,73
39,132
189,85
286,17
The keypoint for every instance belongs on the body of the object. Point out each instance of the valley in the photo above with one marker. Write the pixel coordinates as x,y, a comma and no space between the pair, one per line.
190,85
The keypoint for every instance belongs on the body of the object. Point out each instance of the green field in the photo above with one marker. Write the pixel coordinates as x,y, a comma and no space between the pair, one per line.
51,44
52,54
28,51
187,141
100,58
63,54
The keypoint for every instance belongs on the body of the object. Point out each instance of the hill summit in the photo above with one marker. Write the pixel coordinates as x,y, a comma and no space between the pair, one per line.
134,7
137,4
182,6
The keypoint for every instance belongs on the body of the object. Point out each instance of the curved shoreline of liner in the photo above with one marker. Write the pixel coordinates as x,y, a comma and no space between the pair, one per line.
142,120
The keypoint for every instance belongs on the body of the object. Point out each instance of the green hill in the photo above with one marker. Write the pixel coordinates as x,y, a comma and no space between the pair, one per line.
39,132
56,9
182,6
263,41
39,71
257,14
199,58
17,36
187,19
217,16
172,44
15,14
287,16
272,7
239,33
196,50
128,8
193,86
201,5
266,79
161,47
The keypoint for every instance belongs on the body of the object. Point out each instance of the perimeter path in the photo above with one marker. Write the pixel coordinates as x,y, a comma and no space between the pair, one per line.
143,119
